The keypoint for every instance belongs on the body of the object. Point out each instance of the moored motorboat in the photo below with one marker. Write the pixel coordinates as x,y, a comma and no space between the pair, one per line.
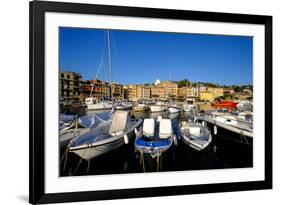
174,109
246,116
123,106
66,120
155,137
98,106
195,135
140,107
245,105
224,103
82,125
231,123
232,120
188,107
157,108
106,137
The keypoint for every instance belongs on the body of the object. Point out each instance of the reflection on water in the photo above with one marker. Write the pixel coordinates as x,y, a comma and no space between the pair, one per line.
223,152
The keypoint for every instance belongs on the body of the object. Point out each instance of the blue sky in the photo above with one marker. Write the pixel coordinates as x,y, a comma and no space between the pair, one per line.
142,57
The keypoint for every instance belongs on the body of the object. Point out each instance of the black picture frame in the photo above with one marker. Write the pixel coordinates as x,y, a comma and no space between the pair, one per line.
37,101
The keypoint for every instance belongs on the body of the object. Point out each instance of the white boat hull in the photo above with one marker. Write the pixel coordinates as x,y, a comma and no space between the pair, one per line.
123,107
197,141
173,110
197,146
99,106
188,108
66,136
140,108
157,108
96,149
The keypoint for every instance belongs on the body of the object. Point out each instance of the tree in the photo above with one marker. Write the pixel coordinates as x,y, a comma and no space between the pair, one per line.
183,83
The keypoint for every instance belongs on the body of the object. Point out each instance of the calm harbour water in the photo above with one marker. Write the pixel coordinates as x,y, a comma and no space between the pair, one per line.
227,150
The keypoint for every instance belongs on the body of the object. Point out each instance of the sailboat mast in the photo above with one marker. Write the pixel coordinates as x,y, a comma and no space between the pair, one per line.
170,82
110,64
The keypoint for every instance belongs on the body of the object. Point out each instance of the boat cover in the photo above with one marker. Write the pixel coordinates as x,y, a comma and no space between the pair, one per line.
165,128
95,120
94,135
67,117
104,129
148,127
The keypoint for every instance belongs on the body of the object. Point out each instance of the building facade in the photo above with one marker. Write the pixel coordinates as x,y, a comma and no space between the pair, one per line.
143,92
170,89
211,94
186,92
70,86
218,92
132,92
157,92
117,91
95,88
138,92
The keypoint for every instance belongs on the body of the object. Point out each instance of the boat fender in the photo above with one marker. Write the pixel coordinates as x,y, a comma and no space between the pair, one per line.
215,148
126,139
215,130
175,140
203,123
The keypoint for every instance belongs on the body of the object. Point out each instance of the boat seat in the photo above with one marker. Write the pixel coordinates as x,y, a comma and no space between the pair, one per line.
165,128
194,131
148,127
159,118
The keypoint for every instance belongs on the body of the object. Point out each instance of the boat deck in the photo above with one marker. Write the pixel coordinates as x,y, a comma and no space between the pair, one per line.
238,130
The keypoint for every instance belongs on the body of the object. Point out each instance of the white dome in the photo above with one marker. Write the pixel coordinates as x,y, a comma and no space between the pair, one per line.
157,82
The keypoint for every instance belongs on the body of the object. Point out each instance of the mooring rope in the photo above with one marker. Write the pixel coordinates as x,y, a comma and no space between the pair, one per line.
80,161
142,160
89,161
157,160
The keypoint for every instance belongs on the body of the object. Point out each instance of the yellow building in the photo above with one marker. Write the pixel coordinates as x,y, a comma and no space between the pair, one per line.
137,92
207,96
132,92
186,92
126,92
157,92
170,89
117,91
211,94
143,92
218,92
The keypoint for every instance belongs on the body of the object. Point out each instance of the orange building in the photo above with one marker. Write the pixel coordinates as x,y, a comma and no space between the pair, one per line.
157,92
117,91
170,89
137,92
97,88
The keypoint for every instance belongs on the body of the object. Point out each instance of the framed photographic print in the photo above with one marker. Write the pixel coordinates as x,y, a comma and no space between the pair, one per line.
140,102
